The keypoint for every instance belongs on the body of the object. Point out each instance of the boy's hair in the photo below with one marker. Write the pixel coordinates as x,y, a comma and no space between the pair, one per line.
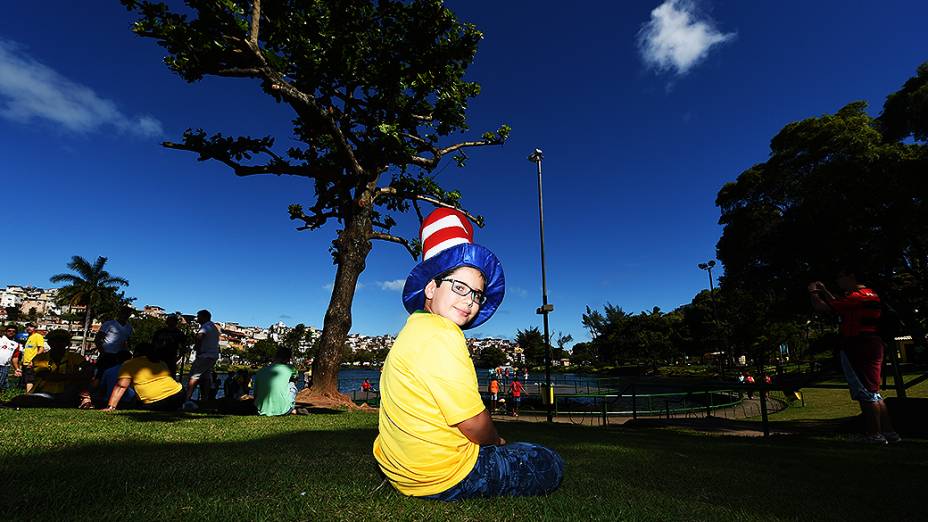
283,354
147,350
58,333
447,273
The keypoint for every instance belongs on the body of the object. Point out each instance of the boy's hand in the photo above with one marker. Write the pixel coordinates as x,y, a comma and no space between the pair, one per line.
502,442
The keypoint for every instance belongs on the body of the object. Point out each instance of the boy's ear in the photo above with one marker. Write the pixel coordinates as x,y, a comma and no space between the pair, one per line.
430,289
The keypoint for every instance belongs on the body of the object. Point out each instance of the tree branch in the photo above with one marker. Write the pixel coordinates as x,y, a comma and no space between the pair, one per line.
255,21
392,192
395,239
431,163
311,222
278,168
237,72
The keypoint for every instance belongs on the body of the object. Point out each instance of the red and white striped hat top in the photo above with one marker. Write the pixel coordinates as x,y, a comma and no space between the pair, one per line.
444,228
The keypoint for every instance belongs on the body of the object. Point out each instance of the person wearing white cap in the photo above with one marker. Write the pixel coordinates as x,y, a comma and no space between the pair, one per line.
436,439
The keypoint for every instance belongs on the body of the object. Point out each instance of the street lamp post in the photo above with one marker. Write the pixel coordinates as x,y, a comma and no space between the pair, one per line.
708,266
546,308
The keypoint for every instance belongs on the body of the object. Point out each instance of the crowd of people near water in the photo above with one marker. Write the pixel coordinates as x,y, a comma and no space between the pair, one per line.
52,374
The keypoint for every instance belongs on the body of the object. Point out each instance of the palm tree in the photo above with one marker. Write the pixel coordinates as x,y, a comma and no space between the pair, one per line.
89,286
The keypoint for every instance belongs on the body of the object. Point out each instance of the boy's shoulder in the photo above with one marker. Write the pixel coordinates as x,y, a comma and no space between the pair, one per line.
428,324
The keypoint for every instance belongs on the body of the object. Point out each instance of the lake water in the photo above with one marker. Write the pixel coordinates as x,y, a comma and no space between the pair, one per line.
350,379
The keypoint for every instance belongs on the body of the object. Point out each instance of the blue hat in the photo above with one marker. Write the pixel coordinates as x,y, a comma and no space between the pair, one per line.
447,244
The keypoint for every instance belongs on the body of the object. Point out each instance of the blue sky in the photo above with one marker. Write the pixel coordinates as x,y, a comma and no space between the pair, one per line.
643,109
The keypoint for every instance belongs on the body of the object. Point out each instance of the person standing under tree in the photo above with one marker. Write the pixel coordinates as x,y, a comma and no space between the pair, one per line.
861,350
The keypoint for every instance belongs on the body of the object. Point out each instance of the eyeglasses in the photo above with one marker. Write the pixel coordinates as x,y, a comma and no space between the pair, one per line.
463,290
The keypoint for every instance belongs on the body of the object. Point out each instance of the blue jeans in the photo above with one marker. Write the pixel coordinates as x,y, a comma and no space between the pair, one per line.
4,373
514,470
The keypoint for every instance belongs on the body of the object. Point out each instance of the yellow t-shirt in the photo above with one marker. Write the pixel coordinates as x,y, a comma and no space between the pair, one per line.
428,385
152,381
33,344
43,364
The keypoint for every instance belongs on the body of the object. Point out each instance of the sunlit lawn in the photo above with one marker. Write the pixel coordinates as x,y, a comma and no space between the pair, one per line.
77,465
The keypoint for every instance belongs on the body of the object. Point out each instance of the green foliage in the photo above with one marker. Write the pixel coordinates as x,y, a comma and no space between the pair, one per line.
621,338
583,354
834,193
532,343
13,313
376,87
143,329
261,353
491,357
905,112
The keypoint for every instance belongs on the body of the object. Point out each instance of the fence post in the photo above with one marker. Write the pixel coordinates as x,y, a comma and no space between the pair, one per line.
605,421
667,408
897,373
763,409
708,405
634,402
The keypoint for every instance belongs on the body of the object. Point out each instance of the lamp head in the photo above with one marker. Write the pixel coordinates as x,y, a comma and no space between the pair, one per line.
536,156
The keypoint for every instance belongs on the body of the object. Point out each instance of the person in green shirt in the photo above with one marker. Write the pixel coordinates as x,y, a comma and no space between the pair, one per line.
275,392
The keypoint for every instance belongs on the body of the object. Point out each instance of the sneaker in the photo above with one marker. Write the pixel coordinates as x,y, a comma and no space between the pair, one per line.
190,406
877,439
892,437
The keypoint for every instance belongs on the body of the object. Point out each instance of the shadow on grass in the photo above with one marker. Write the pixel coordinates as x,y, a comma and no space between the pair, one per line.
321,468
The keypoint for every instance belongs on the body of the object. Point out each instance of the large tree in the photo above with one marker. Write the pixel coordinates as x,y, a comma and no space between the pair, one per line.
376,87
842,190
91,286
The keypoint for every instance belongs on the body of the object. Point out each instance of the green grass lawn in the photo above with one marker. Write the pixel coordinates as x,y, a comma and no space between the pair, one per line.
79,465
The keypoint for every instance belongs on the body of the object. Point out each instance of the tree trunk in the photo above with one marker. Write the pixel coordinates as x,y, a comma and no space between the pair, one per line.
352,247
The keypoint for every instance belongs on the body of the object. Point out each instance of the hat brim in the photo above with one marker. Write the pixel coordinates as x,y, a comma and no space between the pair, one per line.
468,254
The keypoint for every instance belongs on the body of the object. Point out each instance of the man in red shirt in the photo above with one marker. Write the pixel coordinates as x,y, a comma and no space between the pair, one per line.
515,389
861,349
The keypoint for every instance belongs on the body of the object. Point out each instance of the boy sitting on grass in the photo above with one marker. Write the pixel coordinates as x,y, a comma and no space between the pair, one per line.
436,439
151,379
62,378
275,391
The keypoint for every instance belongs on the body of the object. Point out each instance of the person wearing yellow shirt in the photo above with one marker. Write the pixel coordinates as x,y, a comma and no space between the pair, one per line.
35,344
436,439
62,378
151,379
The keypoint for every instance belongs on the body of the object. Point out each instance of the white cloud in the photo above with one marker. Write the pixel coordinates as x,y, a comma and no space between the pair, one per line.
30,91
676,39
394,286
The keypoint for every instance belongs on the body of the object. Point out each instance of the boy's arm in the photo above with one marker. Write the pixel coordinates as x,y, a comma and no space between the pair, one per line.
480,429
118,390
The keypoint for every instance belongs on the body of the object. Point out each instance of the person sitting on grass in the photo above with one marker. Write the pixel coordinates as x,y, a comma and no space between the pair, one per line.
436,439
62,378
108,382
151,379
275,391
